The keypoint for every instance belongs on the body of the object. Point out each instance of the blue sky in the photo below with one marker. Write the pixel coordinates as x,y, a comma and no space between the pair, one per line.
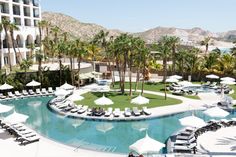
140,15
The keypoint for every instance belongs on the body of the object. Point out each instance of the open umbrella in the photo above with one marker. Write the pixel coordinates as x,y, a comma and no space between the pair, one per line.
140,100
16,118
5,86
176,77
216,112
103,101
227,82
67,86
104,127
75,97
146,145
61,92
5,108
172,80
33,83
227,79
212,76
192,121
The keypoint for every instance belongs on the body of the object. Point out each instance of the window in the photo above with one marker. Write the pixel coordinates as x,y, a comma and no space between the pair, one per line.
16,9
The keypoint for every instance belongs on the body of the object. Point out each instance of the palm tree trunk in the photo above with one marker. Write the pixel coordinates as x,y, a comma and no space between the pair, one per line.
79,60
137,79
71,71
60,71
13,45
119,70
0,52
40,70
164,69
130,76
8,47
173,60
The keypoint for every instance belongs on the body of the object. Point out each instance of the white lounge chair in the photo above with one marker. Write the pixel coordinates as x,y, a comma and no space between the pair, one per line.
76,108
127,112
25,93
108,112
31,92
82,110
116,112
136,111
2,96
18,94
44,91
38,91
50,90
146,111
10,94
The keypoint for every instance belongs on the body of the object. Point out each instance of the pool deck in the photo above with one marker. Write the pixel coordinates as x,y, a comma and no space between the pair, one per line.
49,148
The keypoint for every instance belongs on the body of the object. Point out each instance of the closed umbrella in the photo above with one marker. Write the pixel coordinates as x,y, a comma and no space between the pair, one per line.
146,145
103,101
6,86
212,76
67,86
140,100
61,92
216,112
33,83
5,108
16,118
192,121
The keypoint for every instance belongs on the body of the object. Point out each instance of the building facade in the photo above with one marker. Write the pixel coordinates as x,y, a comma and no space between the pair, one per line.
25,14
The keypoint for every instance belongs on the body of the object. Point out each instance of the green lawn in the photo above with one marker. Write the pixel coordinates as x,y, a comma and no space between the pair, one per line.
234,94
122,101
158,87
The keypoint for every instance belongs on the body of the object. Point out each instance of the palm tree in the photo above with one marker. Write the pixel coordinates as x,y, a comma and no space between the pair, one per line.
93,51
24,65
55,31
61,49
31,47
6,26
1,29
13,27
205,43
174,41
39,57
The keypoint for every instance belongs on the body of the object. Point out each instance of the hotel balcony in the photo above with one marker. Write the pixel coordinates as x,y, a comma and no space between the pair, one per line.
4,8
16,10
27,11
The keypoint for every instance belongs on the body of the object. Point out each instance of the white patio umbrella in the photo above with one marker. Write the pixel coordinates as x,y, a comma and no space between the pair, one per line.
192,121
16,118
103,101
67,86
33,83
5,108
6,86
176,77
227,79
212,76
172,80
227,82
216,112
61,92
146,145
104,127
75,97
140,100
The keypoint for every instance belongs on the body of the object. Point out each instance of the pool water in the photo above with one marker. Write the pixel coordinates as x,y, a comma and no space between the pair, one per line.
200,89
96,135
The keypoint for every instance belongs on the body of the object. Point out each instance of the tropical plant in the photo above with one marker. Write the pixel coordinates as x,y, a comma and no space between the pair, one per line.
205,42
174,41
25,65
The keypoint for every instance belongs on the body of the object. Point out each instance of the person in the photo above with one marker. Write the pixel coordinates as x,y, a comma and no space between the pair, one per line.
131,154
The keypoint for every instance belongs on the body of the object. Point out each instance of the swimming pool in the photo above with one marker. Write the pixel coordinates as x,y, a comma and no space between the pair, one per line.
96,135
200,89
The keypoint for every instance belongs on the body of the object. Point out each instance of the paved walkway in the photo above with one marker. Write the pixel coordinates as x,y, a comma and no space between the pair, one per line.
49,148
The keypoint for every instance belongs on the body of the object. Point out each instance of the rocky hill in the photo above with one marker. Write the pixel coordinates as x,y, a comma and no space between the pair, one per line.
88,30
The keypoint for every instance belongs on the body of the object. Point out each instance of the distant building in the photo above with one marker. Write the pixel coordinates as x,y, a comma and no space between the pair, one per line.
25,14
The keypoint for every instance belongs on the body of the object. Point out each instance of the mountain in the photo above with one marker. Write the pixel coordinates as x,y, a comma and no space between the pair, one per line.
75,28
86,31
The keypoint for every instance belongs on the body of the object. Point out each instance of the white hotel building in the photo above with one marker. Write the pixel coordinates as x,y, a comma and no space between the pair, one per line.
25,14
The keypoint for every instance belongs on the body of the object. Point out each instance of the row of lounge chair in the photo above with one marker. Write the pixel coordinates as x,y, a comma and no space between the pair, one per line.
69,107
23,134
185,140
30,92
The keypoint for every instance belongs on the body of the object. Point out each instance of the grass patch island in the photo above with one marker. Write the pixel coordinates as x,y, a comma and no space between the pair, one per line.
122,101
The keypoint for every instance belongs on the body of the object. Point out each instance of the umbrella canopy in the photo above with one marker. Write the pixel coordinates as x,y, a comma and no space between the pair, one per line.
216,112
103,101
176,77
140,100
227,82
5,108
61,92
16,118
192,121
67,86
171,80
5,86
146,145
227,79
33,83
212,76
75,97
104,127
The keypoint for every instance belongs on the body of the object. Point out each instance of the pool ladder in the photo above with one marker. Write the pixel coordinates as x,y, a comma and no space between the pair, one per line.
87,145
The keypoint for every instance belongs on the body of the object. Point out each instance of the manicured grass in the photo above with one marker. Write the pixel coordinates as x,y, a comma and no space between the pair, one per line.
122,101
158,87
234,94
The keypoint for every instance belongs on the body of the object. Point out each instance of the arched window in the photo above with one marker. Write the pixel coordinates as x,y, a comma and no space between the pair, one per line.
19,41
29,40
